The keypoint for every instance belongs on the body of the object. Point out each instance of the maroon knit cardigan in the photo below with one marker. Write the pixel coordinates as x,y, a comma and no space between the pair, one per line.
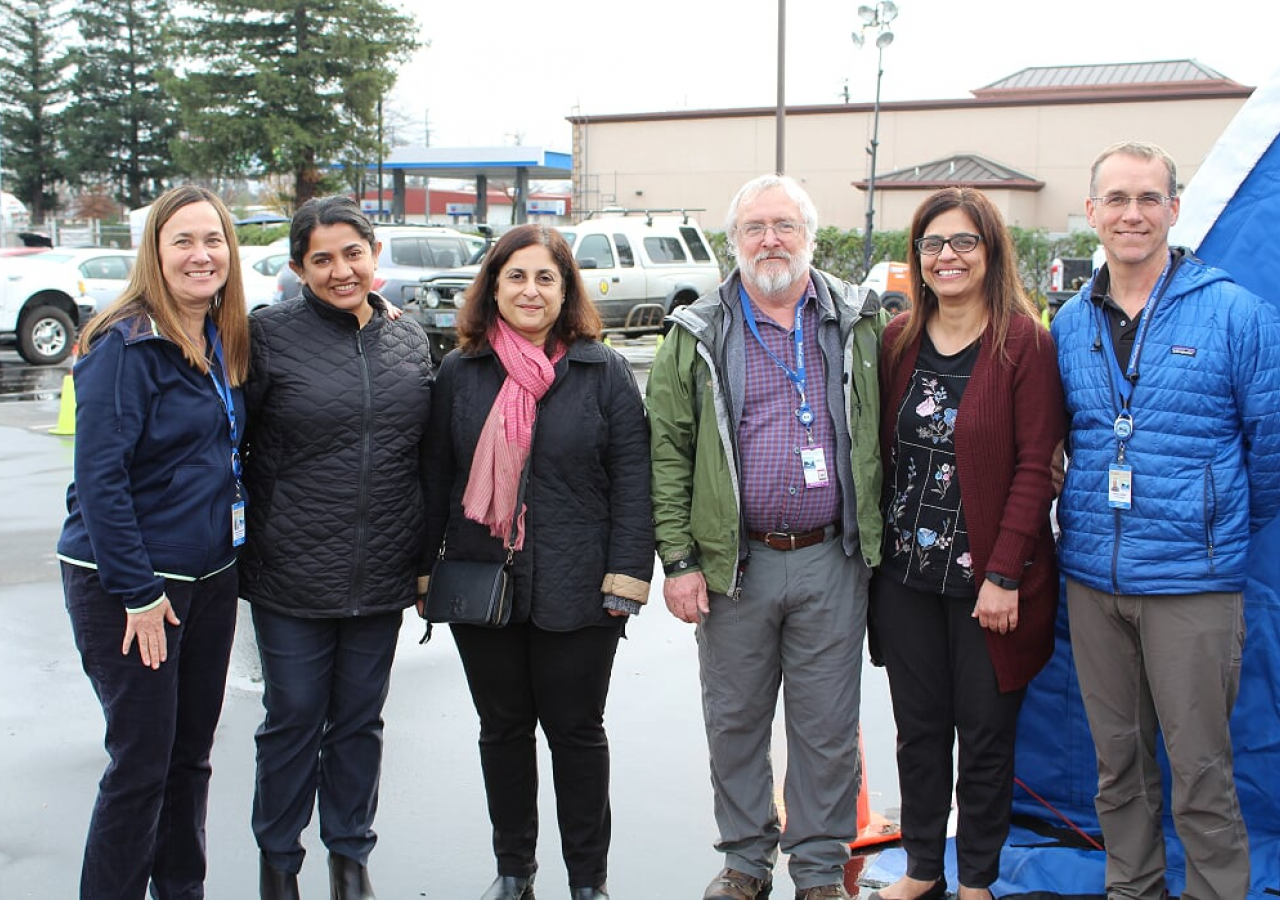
1011,417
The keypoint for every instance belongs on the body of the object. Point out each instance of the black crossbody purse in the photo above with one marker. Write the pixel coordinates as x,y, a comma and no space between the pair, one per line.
464,592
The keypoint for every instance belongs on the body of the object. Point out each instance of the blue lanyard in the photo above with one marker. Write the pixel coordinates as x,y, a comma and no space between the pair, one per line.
796,376
1125,380
223,388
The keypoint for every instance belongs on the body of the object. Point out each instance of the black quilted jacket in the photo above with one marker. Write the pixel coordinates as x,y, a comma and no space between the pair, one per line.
588,507
337,419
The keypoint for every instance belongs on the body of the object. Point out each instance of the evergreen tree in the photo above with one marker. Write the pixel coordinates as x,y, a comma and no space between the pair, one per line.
286,87
120,122
32,86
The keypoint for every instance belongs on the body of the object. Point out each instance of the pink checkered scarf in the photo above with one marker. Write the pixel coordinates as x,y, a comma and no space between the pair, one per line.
505,439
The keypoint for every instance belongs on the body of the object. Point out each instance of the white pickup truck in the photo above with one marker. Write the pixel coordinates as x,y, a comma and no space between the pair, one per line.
47,296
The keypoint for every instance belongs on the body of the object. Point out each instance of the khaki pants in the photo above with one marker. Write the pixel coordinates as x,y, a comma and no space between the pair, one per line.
1168,663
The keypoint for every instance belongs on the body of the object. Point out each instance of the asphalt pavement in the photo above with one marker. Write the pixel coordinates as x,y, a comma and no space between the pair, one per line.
434,837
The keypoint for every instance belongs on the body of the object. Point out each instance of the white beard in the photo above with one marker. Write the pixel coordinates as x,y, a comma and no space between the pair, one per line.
774,282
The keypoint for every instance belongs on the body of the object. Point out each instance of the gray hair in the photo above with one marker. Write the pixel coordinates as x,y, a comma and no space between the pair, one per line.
1140,149
757,186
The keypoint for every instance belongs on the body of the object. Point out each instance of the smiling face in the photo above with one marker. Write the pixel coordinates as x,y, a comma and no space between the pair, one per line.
194,255
530,292
338,267
954,277
1135,235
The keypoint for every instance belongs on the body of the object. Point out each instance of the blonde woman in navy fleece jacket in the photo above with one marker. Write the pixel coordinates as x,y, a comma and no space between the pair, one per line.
148,553
964,602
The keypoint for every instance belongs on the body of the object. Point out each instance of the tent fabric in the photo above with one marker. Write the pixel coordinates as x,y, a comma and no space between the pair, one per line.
1228,216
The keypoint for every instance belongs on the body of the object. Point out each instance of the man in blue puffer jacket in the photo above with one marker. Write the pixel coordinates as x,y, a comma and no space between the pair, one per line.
1172,379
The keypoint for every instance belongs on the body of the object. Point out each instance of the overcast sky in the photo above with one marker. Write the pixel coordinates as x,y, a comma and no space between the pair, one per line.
500,72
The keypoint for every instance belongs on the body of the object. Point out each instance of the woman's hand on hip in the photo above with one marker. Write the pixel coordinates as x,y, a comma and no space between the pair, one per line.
148,627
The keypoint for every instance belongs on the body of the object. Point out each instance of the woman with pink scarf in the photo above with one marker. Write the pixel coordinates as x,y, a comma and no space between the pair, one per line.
531,383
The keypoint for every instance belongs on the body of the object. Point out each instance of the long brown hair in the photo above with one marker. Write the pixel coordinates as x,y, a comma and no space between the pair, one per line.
148,294
1001,286
578,317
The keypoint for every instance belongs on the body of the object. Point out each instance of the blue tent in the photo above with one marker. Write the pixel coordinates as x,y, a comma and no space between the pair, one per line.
1229,215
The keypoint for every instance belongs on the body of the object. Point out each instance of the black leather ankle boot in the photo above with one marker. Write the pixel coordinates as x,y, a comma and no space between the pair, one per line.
348,880
588,893
510,887
274,884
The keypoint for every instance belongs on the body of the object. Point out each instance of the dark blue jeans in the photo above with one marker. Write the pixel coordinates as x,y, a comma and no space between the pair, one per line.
148,823
325,683
521,676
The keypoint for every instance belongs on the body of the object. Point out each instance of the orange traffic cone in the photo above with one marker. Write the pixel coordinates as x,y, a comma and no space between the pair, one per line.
67,408
873,828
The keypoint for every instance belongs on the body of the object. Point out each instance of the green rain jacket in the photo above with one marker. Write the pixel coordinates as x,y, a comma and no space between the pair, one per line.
694,398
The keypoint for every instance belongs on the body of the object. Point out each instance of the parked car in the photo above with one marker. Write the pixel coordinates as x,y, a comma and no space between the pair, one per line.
260,268
409,253
638,265
891,283
46,297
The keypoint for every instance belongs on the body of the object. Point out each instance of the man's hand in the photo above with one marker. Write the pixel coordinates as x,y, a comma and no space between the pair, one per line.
686,597
148,628
997,608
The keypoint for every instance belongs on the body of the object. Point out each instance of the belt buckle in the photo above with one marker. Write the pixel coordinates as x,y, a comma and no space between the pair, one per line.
785,537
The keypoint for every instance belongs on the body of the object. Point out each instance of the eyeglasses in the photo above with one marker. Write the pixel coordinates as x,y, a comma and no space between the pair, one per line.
1122,201
961,242
782,229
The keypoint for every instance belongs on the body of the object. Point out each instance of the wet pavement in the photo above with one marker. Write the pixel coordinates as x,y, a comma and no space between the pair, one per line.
432,826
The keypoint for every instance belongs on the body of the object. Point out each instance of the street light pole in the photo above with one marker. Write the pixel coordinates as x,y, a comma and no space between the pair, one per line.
875,17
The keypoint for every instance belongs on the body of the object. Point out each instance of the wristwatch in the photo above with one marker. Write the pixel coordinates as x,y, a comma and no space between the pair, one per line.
1009,584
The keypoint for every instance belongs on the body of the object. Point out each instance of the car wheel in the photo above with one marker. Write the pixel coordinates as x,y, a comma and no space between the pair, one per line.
45,336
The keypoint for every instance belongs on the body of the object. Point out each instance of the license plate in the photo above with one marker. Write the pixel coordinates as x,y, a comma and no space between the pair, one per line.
444,320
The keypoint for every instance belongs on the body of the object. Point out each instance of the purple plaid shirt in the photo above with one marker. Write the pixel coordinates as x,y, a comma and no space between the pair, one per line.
770,436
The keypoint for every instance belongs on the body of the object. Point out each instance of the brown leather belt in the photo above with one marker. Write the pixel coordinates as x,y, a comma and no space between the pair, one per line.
794,540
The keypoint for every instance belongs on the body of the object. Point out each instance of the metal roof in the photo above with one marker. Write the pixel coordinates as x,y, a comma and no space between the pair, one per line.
1172,74
968,169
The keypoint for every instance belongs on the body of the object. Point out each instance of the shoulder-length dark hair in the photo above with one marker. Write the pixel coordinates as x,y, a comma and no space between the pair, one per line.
1001,286
578,316
147,293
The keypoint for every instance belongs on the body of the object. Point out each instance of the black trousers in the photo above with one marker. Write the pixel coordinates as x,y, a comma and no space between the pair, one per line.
944,686
325,682
521,676
148,822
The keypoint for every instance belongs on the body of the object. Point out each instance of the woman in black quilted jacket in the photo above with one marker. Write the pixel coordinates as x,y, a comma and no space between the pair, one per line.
338,397
531,382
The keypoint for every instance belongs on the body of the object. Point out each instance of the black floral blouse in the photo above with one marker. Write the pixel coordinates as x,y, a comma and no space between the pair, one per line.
926,544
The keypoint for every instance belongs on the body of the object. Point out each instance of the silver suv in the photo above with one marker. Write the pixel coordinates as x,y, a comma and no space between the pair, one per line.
409,253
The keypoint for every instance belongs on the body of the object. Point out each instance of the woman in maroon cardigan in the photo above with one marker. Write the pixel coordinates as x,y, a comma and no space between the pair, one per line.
964,603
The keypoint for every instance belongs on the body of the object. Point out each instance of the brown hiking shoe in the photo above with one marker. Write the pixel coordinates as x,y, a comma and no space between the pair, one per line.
823,891
731,884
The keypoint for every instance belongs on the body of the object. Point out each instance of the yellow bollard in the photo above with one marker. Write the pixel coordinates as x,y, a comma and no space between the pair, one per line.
67,410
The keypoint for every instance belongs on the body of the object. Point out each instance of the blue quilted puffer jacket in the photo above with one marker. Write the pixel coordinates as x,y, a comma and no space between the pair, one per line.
1205,450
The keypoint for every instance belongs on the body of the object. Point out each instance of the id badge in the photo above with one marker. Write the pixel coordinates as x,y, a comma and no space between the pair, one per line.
237,523
1120,486
814,462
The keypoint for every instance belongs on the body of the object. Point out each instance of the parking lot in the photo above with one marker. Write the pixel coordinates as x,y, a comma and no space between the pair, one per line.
434,832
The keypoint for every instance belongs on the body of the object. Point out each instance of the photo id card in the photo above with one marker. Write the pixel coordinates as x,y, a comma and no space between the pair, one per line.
1120,486
814,462
237,523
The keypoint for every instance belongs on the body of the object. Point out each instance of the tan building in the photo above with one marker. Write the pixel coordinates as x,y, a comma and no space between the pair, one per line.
1027,140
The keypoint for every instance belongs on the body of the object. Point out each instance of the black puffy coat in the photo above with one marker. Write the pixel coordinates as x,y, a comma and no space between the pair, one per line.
332,462
589,512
